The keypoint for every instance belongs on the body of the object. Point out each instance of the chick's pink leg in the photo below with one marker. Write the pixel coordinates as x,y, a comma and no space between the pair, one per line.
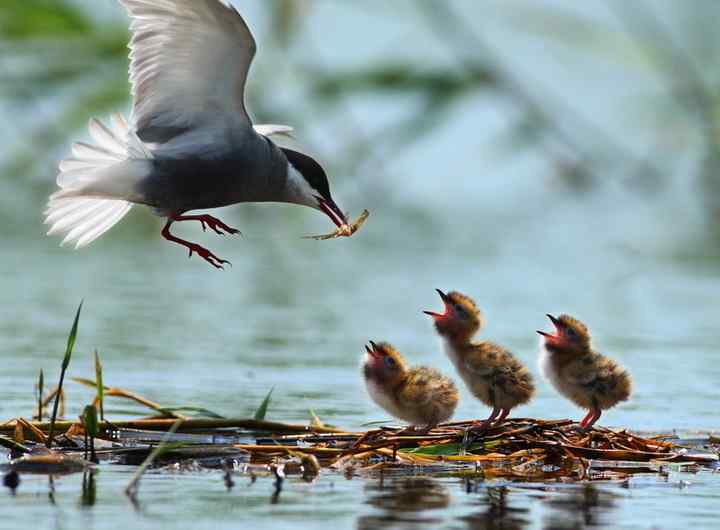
502,416
204,253
589,420
482,425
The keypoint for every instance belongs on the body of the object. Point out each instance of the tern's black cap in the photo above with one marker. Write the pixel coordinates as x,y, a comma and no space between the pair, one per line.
311,170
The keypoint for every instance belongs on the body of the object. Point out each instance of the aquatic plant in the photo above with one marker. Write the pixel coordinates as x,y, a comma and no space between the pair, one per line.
63,369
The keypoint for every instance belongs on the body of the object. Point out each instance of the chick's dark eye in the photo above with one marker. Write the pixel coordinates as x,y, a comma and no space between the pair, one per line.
389,362
570,332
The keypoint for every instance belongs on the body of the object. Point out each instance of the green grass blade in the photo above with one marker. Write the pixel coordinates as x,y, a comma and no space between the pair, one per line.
90,420
65,364
71,338
261,412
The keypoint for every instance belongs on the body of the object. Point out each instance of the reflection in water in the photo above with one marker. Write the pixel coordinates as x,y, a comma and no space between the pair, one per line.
498,515
579,508
89,488
51,489
404,501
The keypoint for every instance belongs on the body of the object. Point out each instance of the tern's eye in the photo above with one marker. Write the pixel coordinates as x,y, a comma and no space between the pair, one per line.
389,362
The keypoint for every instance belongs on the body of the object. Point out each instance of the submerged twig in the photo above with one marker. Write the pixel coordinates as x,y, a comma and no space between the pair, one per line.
100,387
41,385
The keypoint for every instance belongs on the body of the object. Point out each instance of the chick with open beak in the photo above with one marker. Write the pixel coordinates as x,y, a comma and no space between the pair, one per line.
421,396
491,372
587,378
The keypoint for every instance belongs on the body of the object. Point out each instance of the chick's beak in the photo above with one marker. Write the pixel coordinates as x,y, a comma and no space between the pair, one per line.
446,301
332,210
372,351
556,323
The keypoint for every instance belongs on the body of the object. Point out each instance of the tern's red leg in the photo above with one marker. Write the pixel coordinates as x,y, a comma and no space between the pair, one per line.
204,253
483,425
208,220
503,415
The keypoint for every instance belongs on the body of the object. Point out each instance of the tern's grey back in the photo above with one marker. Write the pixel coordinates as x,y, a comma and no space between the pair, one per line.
250,168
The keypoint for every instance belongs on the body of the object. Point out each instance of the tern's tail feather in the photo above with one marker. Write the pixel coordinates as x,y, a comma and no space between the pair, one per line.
96,183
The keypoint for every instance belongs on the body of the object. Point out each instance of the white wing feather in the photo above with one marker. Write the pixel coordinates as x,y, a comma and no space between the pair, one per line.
189,63
78,210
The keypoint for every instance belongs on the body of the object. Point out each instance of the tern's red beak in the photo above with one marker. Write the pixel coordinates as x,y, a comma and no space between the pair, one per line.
446,301
331,209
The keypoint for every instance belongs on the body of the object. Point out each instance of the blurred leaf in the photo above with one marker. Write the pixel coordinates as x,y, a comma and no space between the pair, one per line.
574,29
33,19
286,20
401,78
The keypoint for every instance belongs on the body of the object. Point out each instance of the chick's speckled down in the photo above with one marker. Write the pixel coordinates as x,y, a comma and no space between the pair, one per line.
421,396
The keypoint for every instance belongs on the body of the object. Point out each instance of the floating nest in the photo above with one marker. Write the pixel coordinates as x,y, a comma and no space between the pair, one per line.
521,449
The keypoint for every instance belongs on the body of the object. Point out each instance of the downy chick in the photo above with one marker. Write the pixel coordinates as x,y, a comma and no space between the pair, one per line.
493,374
421,396
587,378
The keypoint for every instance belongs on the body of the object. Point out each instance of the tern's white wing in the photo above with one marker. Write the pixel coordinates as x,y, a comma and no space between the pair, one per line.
189,63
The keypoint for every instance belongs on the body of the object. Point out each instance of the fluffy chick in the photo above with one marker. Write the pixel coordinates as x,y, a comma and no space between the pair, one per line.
587,378
491,372
421,396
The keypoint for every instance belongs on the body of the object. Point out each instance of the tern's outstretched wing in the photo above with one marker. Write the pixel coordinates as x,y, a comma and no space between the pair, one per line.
189,63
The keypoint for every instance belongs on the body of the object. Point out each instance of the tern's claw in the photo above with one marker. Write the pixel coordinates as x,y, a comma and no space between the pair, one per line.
208,256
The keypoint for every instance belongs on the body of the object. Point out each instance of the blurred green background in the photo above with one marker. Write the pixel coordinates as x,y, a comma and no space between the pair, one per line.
595,95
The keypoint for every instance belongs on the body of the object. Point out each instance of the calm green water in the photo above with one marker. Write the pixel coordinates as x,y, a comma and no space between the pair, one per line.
294,315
